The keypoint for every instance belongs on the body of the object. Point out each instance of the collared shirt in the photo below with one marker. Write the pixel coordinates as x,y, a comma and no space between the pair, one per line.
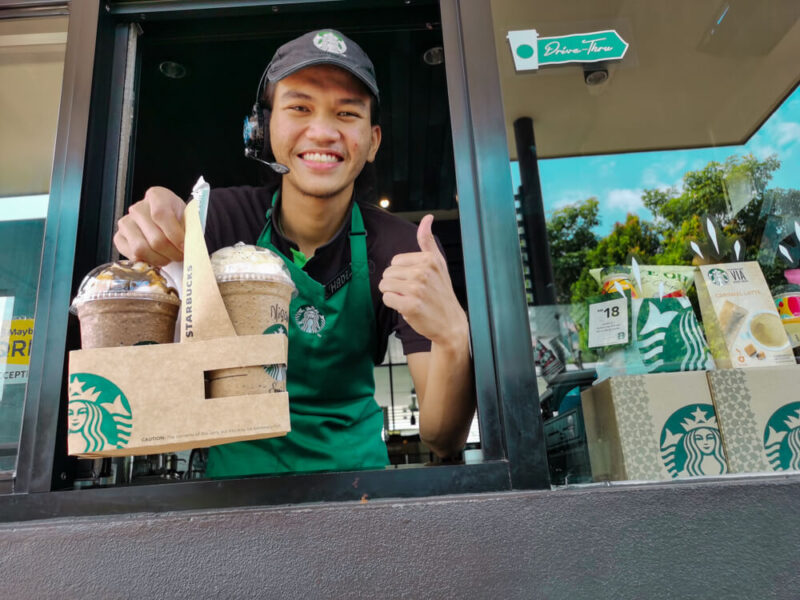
239,214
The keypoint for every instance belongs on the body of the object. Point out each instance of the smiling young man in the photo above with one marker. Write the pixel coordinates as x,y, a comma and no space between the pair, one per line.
361,272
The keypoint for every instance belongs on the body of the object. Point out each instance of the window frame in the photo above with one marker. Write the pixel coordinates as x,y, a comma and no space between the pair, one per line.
78,236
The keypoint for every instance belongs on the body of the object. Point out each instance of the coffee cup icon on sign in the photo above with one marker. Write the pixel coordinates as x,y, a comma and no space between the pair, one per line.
764,333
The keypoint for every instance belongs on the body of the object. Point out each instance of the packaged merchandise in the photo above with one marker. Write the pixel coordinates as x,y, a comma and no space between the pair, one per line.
739,314
646,281
647,427
787,303
662,333
759,417
669,337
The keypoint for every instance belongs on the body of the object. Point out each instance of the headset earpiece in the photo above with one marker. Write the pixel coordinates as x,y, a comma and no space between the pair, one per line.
254,132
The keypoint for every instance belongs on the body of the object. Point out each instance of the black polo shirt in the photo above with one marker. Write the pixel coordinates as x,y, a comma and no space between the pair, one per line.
238,214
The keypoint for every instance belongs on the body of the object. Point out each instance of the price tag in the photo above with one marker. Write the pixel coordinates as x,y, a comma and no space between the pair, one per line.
608,323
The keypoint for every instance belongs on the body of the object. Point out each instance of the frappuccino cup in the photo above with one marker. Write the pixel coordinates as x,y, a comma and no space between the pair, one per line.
256,288
126,303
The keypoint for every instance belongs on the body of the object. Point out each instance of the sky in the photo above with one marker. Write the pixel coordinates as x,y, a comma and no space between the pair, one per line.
620,178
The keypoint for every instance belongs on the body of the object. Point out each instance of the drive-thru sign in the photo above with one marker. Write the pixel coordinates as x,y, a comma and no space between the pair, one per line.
531,52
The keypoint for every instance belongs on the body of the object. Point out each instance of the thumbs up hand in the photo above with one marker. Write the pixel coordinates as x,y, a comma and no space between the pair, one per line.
418,286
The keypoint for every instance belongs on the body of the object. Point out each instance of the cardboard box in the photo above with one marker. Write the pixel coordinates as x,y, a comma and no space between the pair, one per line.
740,318
647,427
759,417
152,399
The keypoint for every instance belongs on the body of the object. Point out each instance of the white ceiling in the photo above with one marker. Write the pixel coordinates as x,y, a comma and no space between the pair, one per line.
31,69
678,86
684,82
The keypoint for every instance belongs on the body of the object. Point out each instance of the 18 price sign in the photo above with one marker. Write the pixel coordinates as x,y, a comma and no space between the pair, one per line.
608,323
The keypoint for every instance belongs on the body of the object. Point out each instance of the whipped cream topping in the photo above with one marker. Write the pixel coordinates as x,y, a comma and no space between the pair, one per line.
247,262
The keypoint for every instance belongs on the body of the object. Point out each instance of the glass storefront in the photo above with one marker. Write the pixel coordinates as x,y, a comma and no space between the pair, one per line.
31,69
665,346
663,322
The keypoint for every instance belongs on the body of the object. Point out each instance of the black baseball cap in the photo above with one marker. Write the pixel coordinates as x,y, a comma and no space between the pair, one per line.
323,47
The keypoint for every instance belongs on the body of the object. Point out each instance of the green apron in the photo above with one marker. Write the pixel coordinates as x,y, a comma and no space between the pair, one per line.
336,423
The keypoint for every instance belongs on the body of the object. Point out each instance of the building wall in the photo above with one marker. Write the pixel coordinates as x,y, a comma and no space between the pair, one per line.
736,539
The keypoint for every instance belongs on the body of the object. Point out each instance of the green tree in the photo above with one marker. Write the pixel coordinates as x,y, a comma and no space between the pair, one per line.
571,238
731,193
634,236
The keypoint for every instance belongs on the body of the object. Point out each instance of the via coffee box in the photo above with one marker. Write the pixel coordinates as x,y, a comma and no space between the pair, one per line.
741,322
759,417
650,427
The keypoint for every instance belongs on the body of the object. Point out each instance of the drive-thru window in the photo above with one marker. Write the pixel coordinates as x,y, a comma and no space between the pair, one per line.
615,193
614,187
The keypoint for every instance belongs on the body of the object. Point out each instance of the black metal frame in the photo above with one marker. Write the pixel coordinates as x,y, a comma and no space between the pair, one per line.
24,9
83,173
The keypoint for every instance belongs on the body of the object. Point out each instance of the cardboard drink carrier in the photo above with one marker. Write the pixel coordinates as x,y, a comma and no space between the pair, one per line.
152,399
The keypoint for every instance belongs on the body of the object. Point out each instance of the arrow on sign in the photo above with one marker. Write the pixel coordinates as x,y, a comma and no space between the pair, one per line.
530,51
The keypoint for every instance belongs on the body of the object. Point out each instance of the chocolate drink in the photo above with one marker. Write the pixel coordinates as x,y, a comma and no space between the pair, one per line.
126,304
106,323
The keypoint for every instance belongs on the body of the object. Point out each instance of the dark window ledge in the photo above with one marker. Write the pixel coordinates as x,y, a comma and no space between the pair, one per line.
264,491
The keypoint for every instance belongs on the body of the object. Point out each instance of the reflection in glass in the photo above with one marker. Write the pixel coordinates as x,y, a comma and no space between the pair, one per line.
31,68
687,154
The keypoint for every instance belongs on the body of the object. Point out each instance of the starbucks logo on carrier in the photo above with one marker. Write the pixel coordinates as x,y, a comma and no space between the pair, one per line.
691,443
99,414
782,438
328,41
309,319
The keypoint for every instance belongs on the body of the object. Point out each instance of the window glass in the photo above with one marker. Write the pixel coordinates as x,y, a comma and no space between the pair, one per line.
31,67
670,189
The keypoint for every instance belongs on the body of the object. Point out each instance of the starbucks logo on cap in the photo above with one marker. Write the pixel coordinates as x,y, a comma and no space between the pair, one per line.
328,41
782,438
309,319
691,443
99,414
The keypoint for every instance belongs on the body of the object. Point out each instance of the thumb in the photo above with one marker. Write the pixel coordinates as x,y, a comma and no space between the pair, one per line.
425,237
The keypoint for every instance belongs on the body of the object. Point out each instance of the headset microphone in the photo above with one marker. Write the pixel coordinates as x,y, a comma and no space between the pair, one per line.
255,125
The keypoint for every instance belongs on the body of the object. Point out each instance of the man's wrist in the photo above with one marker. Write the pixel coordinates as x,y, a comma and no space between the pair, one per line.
454,340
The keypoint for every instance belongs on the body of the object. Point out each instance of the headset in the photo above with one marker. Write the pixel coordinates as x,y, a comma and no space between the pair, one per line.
255,131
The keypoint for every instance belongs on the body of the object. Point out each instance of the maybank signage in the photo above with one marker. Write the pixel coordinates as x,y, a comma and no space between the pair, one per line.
16,336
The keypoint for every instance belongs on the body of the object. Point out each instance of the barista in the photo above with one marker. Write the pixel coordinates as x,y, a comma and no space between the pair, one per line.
361,273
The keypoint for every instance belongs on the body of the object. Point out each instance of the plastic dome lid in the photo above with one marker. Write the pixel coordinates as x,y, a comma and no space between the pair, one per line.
126,280
244,262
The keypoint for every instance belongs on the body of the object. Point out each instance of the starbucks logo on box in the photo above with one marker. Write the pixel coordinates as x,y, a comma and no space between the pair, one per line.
782,438
691,443
99,414
718,277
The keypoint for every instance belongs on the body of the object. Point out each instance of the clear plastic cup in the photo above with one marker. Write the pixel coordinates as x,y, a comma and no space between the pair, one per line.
257,289
126,303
